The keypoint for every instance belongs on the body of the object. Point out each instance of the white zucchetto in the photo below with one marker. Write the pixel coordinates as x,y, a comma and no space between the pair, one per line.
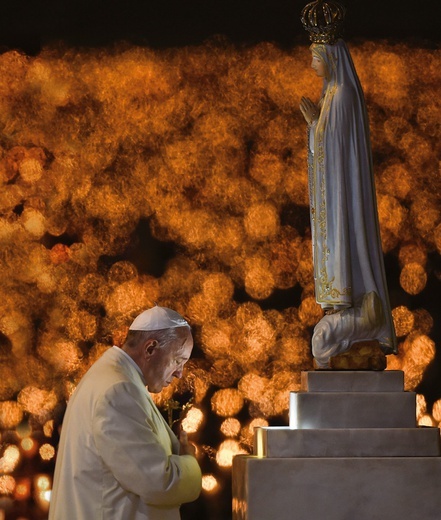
158,318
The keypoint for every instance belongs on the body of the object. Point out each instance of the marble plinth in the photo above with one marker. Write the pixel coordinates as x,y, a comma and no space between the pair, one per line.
392,488
318,410
352,452
352,381
283,442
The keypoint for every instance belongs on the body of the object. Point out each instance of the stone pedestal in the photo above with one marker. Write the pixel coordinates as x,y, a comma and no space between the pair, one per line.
352,451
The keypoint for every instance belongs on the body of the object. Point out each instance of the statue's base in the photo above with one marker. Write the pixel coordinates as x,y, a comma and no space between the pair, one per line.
353,451
363,355
392,488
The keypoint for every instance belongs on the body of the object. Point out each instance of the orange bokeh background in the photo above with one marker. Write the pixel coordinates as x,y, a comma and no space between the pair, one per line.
131,176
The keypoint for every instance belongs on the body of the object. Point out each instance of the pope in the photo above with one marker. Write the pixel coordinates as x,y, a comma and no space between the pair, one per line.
118,458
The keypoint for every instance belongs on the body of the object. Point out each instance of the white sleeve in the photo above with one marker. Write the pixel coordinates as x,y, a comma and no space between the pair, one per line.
129,446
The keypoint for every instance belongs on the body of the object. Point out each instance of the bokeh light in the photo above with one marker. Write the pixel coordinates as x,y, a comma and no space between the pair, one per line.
230,427
413,278
11,414
436,411
227,451
22,489
46,451
404,320
209,483
42,491
9,459
193,420
179,177
421,408
227,402
7,485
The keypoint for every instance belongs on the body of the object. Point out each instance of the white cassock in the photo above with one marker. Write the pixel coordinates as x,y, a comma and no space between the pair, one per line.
117,458
348,260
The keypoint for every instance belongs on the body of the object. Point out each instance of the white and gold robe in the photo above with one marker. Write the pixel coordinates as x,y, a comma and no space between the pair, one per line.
347,254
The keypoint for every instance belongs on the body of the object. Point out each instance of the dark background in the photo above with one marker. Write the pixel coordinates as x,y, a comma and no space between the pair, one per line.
31,24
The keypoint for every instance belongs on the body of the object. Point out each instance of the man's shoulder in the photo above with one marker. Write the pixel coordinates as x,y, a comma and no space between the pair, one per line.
110,370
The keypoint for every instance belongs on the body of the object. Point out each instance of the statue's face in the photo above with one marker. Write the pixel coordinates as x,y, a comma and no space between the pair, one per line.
319,66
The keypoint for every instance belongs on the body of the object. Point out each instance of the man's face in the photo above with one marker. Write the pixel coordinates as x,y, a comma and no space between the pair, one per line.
165,363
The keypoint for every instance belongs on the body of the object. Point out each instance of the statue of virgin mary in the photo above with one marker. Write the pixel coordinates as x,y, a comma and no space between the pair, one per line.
349,275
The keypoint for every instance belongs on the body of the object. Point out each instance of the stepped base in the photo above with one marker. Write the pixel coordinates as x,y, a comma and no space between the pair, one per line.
371,442
352,381
395,488
319,410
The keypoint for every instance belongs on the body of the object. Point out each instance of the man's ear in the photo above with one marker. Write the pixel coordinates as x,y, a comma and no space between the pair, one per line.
150,346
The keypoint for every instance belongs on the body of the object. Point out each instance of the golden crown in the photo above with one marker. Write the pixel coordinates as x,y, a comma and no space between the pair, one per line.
323,19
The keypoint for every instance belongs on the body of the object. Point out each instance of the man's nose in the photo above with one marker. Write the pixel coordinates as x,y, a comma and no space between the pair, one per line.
178,373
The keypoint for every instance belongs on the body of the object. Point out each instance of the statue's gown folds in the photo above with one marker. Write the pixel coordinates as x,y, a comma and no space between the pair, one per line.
348,260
